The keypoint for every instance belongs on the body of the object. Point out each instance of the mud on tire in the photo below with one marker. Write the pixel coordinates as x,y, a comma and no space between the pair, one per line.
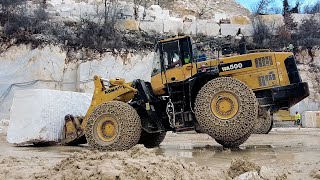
263,124
128,131
240,124
233,144
151,140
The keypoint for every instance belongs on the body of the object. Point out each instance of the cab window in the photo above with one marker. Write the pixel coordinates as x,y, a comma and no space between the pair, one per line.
171,54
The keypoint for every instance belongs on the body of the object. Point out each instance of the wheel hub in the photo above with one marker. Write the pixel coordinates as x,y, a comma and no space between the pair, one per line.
224,105
107,128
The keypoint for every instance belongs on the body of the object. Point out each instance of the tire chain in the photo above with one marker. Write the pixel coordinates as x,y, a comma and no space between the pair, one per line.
129,126
263,124
236,143
238,126
151,140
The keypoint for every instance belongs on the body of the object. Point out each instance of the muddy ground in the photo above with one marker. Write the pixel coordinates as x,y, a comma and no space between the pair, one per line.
285,153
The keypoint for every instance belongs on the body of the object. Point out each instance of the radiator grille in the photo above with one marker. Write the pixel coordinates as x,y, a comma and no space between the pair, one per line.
264,80
264,61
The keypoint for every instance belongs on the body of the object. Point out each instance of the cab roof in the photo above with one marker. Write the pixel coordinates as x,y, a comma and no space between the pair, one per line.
173,39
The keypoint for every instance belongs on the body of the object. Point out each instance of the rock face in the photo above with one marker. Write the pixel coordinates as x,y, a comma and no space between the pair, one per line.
310,74
38,115
49,68
207,8
21,64
130,67
169,18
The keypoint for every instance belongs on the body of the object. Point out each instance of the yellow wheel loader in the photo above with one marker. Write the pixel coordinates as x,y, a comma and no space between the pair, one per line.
229,98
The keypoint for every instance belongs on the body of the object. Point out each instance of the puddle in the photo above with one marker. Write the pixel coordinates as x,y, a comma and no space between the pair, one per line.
218,158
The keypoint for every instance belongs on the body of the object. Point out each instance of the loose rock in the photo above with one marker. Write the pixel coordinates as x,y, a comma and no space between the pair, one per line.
241,166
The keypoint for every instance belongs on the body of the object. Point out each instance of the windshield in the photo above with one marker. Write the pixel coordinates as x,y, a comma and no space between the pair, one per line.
171,54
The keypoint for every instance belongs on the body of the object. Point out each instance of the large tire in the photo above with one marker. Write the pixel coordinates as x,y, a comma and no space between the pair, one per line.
270,127
226,122
263,124
114,126
234,144
151,140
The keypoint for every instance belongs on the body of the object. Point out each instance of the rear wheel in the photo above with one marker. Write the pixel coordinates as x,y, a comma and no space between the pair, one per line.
233,144
263,123
226,109
113,125
151,140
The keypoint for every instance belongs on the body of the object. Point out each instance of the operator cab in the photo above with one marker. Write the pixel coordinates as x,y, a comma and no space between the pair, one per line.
171,53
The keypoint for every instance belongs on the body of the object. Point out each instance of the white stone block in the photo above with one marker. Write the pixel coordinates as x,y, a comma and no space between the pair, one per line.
156,26
127,11
298,18
156,12
190,28
311,119
201,26
165,14
38,115
232,29
307,104
272,21
189,18
173,26
212,29
219,16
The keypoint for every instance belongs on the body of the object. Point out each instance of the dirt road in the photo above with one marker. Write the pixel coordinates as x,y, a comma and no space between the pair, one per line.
285,153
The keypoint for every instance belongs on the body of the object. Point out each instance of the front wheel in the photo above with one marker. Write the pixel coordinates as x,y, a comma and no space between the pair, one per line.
114,126
151,140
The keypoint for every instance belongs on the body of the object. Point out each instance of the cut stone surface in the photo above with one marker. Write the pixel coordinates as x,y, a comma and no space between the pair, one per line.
232,29
38,115
311,119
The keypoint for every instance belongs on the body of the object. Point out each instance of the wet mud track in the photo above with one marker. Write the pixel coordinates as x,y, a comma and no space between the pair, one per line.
289,150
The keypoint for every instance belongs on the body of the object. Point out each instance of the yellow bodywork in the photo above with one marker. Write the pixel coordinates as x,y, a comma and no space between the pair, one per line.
250,75
283,115
119,90
107,126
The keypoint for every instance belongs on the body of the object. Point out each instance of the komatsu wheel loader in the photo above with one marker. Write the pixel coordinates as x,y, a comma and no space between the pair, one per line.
229,98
